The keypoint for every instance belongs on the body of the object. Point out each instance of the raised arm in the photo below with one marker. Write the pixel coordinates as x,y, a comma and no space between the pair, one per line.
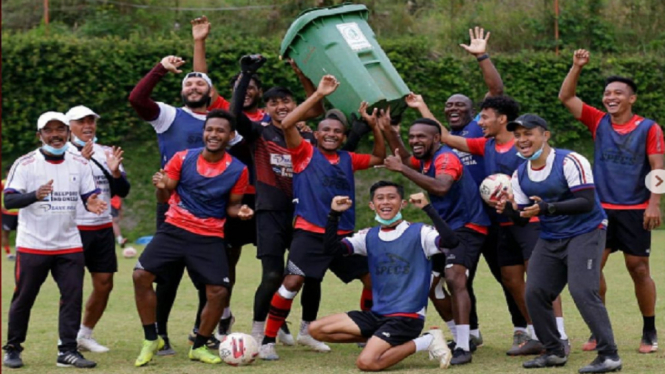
447,237
140,98
567,94
440,185
478,48
200,31
417,102
331,242
249,65
309,88
391,130
379,150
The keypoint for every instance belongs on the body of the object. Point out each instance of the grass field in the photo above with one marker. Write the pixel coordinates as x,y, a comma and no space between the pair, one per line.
121,330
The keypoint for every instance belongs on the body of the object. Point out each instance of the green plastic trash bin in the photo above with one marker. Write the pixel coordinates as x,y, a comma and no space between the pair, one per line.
338,41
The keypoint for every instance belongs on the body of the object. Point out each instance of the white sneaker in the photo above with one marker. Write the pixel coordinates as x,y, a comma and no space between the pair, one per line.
90,344
438,349
257,331
267,352
285,338
316,345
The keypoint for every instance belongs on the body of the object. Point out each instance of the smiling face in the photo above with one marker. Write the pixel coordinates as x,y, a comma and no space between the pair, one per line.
387,202
84,128
618,98
55,134
458,111
423,140
491,122
216,134
529,141
195,93
330,135
278,108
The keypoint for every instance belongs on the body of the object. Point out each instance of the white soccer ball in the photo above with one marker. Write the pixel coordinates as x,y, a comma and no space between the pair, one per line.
129,252
494,187
238,349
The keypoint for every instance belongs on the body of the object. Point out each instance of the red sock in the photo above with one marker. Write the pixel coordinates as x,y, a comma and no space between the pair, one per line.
366,301
279,310
7,250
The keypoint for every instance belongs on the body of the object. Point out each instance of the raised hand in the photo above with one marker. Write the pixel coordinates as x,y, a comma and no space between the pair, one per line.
44,190
327,85
478,44
581,57
385,121
419,200
370,119
158,179
96,205
200,28
414,101
295,67
245,213
172,63
394,163
87,151
302,127
114,159
341,203
251,63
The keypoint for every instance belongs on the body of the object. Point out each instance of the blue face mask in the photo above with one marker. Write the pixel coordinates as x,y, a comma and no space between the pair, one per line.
55,151
533,156
388,222
80,142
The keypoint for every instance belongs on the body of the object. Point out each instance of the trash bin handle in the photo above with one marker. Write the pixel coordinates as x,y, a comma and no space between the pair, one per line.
330,7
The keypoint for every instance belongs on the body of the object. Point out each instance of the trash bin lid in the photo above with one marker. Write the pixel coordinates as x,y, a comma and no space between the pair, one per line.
309,15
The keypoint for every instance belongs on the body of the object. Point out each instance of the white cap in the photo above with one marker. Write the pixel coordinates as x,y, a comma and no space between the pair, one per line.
51,116
79,112
196,74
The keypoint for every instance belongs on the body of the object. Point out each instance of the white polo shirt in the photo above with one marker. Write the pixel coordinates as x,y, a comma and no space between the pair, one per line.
49,226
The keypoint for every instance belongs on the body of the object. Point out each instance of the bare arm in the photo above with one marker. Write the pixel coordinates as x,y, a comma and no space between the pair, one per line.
234,205
652,215
567,94
200,31
438,186
478,48
309,88
417,102
379,150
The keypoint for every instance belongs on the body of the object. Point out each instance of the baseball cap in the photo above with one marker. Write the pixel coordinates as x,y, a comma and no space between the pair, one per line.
196,74
79,112
529,121
338,115
51,116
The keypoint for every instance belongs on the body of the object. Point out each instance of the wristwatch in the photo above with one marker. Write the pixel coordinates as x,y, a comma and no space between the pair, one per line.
551,209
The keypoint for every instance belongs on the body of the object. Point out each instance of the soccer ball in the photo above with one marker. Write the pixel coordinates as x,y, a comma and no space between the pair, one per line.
129,252
494,187
238,349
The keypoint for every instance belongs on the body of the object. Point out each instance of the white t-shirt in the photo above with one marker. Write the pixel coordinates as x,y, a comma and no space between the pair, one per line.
49,225
428,239
83,216
576,168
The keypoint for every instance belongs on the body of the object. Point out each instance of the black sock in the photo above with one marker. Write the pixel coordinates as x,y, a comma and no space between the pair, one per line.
150,331
200,341
285,328
268,340
649,324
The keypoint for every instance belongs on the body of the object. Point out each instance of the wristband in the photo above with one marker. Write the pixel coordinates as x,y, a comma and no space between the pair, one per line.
482,57
335,214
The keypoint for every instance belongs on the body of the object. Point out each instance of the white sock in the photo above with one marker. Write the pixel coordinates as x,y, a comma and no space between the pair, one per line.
462,337
475,333
84,332
289,295
227,313
304,328
532,332
452,328
522,329
559,326
423,342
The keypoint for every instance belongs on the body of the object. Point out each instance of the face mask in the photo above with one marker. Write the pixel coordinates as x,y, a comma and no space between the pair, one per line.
533,156
55,151
388,222
80,142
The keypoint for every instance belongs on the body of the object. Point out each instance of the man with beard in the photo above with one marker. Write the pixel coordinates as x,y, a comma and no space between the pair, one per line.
177,129
46,185
627,148
454,195
96,230
206,186
320,173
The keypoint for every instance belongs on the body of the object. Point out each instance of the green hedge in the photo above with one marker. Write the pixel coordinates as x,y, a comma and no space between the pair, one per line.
42,73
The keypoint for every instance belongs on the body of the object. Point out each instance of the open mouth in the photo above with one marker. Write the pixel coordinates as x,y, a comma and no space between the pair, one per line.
281,114
57,142
418,149
612,105
213,142
330,141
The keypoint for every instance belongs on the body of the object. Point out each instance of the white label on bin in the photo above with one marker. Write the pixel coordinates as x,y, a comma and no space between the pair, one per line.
354,36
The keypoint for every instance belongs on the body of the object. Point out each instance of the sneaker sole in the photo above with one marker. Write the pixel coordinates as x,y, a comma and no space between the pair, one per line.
74,366
165,353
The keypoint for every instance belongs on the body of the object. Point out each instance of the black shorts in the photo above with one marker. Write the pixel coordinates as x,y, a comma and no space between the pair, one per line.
308,258
625,232
393,330
238,232
160,214
203,256
516,243
274,232
99,250
9,222
466,253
